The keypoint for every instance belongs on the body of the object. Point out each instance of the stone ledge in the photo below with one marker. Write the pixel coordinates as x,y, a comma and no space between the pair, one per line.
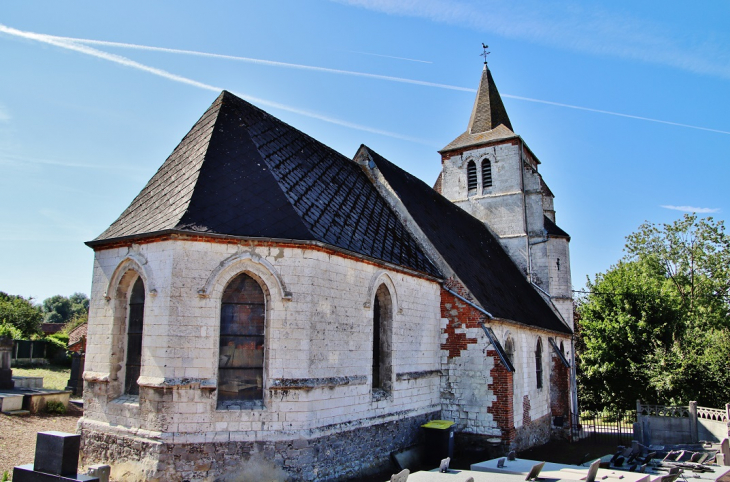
98,377
312,383
417,375
163,382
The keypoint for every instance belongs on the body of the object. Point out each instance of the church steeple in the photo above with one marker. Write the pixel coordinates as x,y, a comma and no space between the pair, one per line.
488,111
489,120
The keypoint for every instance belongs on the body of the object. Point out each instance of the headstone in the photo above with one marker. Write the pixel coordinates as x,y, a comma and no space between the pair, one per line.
102,472
500,462
512,455
56,459
535,471
401,476
6,373
76,381
725,450
444,465
57,453
470,479
593,471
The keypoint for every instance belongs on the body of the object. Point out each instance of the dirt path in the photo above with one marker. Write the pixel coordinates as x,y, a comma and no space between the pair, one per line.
18,434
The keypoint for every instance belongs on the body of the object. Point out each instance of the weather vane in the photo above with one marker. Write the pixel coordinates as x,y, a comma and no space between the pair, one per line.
485,53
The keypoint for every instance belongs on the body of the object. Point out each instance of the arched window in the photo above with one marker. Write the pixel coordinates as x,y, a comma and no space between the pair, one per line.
241,358
135,325
509,350
486,174
562,348
382,340
538,363
471,177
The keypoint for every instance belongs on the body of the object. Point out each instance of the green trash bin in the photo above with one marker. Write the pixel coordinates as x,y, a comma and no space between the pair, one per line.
439,441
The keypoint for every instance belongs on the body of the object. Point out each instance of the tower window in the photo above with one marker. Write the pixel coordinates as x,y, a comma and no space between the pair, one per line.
538,363
486,174
471,177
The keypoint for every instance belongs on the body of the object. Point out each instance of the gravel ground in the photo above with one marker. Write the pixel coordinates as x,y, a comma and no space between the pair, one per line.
18,434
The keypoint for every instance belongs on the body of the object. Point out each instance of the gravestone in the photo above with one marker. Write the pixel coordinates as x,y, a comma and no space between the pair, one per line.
401,476
56,459
6,373
725,451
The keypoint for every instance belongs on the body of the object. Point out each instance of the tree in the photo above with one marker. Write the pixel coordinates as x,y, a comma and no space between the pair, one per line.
20,313
655,326
59,309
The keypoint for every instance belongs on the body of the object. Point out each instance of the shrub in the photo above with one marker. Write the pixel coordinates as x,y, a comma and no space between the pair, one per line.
586,415
55,407
9,331
6,476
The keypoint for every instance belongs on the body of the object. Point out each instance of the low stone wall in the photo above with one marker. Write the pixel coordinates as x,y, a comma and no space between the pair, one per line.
336,456
533,433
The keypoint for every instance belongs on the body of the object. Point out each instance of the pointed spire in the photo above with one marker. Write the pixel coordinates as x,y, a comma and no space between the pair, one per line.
488,111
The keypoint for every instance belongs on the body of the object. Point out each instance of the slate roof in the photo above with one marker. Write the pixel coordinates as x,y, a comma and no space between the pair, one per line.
472,251
552,229
489,120
242,172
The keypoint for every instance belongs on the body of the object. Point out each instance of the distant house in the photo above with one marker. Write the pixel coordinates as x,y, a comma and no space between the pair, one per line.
51,328
77,339
265,295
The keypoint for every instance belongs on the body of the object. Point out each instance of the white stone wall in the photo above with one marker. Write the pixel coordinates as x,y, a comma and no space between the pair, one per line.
318,326
525,374
466,396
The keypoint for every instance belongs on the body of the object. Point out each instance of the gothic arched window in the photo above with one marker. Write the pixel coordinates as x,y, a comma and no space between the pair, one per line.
382,339
471,177
135,325
486,174
241,357
538,363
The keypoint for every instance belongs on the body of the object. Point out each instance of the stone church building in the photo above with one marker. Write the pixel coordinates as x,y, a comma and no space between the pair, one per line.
266,298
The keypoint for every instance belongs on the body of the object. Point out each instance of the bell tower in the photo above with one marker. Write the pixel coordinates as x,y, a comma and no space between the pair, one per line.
491,173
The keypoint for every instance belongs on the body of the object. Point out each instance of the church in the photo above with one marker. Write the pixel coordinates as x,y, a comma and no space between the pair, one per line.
268,300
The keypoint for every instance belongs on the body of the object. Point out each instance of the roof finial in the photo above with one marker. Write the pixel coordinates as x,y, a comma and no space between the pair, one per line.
485,53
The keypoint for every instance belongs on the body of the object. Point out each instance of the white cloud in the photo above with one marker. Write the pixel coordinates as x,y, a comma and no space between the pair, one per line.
691,209
572,26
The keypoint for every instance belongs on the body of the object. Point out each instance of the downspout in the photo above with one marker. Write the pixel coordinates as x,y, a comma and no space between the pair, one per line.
573,381
524,209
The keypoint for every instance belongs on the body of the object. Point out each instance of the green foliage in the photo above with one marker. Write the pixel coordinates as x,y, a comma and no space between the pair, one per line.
656,326
9,331
76,321
6,476
59,339
59,309
20,313
55,407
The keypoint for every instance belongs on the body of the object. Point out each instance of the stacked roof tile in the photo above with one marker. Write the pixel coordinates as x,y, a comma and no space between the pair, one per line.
242,172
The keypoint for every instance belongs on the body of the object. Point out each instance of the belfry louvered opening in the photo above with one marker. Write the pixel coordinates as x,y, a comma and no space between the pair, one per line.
486,174
471,177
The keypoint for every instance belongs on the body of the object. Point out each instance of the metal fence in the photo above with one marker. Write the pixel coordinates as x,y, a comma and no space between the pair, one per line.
604,425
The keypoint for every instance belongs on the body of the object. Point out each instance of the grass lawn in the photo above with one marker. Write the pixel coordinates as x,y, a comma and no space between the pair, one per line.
54,377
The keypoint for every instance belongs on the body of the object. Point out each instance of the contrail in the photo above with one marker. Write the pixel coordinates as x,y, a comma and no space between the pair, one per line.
376,76
271,63
589,109
389,56
78,45
62,42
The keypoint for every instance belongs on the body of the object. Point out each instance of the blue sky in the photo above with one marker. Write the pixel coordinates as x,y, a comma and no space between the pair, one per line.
84,123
